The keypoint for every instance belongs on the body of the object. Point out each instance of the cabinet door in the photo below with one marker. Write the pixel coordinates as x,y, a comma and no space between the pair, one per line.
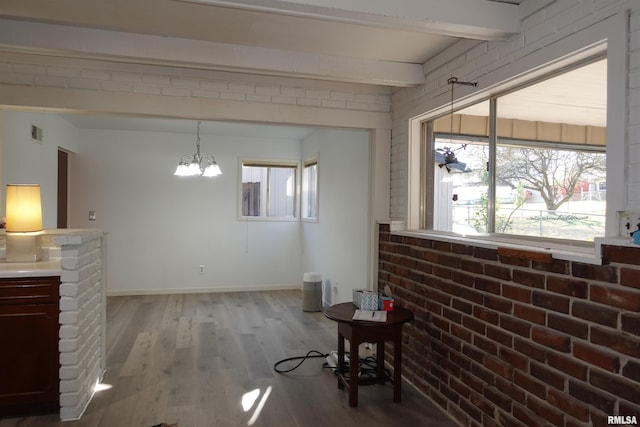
29,366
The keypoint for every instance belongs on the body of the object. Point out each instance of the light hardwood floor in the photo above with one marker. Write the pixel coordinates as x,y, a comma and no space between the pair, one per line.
189,359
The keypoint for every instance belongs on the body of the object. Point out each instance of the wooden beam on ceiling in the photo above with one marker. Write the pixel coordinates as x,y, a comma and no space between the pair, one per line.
481,20
68,41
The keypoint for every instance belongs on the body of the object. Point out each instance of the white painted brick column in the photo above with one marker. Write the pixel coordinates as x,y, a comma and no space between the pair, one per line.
82,317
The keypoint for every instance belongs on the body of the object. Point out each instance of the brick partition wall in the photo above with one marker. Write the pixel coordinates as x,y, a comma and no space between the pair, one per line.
517,340
82,320
93,78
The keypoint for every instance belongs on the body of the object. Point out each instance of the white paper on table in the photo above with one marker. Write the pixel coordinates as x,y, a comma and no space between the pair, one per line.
370,316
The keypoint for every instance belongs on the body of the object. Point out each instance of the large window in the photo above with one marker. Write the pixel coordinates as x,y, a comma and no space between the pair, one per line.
269,190
530,162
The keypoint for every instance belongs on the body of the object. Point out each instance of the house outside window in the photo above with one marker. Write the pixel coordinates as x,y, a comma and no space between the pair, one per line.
268,190
530,162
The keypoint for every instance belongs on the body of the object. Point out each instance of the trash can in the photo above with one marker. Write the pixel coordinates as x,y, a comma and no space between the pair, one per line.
312,292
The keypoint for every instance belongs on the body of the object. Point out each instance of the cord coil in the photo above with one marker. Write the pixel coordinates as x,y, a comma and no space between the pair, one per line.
366,366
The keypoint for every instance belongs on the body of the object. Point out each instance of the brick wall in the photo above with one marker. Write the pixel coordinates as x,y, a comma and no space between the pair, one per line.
98,77
81,321
504,340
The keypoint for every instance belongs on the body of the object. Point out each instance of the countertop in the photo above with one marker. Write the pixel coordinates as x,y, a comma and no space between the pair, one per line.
30,269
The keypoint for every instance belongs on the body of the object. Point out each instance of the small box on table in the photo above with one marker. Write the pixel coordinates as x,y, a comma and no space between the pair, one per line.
385,303
365,300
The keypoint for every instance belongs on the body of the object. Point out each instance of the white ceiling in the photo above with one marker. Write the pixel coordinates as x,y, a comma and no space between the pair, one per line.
366,41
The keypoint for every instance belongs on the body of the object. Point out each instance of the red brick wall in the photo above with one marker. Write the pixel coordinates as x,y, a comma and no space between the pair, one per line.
511,340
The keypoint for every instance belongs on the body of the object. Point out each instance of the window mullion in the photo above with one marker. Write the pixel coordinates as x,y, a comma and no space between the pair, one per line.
268,207
491,167
427,176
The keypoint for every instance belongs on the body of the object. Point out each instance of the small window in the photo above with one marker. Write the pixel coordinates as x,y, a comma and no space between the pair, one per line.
268,189
310,190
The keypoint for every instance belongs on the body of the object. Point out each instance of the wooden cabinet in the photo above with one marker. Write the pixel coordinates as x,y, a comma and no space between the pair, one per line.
29,358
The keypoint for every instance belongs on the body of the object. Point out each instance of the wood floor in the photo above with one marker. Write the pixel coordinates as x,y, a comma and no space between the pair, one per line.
189,359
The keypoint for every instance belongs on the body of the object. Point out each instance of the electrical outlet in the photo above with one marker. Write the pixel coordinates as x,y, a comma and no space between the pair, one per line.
201,269
629,222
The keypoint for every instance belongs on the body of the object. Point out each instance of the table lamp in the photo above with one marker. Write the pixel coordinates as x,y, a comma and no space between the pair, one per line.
23,222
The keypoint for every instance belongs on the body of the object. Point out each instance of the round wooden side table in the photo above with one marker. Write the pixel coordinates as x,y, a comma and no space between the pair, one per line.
357,332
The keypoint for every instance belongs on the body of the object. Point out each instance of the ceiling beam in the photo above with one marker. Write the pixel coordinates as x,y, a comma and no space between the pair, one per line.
479,19
61,40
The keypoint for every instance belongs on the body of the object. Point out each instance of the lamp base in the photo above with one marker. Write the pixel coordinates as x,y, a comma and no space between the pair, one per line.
23,247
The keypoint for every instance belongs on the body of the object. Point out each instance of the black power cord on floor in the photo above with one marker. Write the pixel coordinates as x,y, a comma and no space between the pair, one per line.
310,355
366,366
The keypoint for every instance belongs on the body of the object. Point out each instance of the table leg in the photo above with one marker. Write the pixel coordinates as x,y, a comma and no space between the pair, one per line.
380,375
353,371
341,370
397,365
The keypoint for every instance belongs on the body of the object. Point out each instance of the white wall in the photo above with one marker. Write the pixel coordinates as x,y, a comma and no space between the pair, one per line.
161,228
29,162
102,87
633,97
337,245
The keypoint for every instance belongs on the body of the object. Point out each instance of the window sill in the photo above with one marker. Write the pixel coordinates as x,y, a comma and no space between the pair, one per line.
588,254
267,219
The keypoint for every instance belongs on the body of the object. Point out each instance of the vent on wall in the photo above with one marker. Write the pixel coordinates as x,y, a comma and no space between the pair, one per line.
36,133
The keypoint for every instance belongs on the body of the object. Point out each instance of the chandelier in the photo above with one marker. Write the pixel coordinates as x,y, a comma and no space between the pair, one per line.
195,164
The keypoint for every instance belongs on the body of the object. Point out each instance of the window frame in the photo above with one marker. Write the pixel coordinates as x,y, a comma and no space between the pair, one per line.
493,141
307,163
270,163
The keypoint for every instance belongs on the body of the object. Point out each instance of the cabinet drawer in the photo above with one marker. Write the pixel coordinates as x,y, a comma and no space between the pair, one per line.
32,290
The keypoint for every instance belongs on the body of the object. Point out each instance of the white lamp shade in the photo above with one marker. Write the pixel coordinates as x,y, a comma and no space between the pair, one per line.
181,170
194,169
24,208
212,170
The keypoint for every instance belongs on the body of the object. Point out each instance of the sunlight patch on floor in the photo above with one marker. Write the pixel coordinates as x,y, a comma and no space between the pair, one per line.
101,387
248,402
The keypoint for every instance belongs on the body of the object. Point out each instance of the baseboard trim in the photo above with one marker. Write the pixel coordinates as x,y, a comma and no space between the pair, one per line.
132,292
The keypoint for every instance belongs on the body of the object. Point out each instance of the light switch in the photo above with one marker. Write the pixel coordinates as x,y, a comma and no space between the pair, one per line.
92,215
